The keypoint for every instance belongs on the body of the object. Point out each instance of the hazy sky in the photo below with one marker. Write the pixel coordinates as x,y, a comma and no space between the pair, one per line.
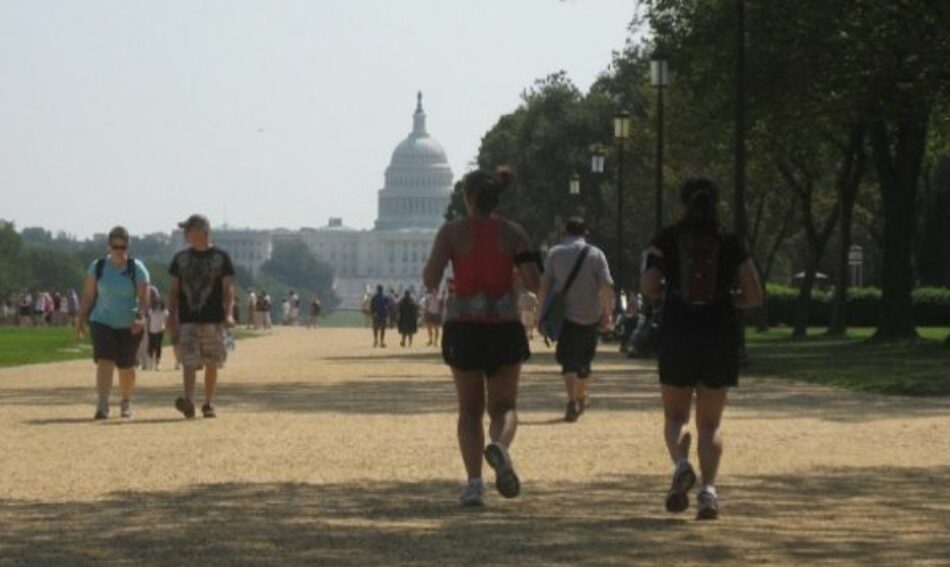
279,113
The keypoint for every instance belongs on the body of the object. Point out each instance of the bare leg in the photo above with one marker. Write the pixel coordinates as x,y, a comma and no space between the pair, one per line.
710,404
211,383
569,387
676,405
502,400
470,387
104,370
190,377
580,388
127,382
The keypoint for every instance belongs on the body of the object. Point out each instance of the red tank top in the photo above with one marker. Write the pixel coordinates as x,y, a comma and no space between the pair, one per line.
484,269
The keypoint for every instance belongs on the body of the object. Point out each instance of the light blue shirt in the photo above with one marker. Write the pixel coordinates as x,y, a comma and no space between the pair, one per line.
116,302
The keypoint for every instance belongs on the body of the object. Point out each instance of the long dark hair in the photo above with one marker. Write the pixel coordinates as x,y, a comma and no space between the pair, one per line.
484,188
700,196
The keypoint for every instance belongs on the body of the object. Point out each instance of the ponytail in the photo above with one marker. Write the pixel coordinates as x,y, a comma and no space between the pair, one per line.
485,188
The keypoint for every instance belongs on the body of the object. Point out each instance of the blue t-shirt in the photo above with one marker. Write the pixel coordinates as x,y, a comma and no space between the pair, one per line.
380,306
116,302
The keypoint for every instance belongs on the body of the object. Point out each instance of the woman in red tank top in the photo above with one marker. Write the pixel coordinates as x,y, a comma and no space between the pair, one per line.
483,340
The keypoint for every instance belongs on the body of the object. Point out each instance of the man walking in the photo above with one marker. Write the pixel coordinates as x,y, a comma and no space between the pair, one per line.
201,306
588,302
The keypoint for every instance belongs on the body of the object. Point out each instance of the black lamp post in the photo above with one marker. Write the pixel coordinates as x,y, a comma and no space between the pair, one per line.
659,78
574,185
621,133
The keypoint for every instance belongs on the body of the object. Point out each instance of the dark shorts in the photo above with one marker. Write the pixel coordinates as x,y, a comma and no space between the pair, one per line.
380,322
687,366
576,347
118,345
433,318
484,346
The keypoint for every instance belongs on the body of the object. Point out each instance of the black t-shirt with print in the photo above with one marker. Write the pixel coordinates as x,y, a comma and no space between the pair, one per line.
713,324
200,274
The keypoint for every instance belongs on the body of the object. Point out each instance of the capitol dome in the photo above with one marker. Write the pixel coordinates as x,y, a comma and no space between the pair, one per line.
418,181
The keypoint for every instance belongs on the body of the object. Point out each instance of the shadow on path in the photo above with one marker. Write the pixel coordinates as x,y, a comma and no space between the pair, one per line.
881,516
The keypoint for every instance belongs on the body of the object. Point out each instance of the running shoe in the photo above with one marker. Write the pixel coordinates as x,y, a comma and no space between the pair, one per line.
126,409
473,494
207,411
186,407
677,499
708,505
572,412
506,481
102,411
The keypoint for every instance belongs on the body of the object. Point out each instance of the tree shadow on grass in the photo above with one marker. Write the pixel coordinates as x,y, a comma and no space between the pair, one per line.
880,515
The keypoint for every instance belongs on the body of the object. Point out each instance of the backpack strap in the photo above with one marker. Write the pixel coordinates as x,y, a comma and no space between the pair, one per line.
575,270
100,266
130,269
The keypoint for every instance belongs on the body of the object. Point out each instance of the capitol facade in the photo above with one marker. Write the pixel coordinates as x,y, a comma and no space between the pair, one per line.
410,209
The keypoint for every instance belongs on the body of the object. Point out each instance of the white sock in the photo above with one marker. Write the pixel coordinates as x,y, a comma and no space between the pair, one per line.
476,481
708,488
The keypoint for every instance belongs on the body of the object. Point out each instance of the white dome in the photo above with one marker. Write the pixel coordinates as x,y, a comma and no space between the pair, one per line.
418,181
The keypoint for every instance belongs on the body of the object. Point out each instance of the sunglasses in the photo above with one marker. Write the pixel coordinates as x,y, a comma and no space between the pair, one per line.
119,246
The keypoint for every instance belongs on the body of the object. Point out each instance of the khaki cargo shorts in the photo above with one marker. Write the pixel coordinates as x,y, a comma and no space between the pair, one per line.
202,344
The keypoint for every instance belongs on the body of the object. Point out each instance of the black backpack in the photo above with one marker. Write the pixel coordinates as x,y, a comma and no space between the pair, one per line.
699,253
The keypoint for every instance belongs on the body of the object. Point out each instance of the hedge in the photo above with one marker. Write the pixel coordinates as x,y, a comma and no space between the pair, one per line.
931,306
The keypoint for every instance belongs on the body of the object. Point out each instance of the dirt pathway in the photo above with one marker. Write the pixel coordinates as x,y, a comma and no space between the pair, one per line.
328,452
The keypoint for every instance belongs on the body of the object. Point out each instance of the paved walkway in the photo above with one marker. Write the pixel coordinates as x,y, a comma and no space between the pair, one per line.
327,452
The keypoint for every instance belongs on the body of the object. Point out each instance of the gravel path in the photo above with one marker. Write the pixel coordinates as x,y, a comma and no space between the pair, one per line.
329,452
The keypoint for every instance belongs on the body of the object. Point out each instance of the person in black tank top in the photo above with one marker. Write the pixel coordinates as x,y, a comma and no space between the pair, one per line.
703,275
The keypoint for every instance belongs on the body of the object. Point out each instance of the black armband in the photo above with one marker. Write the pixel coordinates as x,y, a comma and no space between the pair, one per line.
528,257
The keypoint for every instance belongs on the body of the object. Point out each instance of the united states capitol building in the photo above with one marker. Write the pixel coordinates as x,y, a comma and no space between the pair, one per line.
411,207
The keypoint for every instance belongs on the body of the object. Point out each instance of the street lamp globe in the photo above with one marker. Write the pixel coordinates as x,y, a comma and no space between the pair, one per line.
597,160
659,72
622,125
574,184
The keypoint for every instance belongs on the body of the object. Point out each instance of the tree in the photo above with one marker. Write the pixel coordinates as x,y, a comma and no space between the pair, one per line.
294,265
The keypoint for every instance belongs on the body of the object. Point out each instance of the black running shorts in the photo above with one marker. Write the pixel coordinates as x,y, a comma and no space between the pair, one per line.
712,366
484,346
118,345
576,347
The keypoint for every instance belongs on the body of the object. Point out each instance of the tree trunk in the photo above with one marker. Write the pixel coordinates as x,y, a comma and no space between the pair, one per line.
848,185
898,176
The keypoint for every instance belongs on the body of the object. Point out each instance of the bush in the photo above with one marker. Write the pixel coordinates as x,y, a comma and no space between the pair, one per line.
931,306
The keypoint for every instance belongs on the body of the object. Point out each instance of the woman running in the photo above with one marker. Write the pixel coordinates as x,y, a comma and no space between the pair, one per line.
483,340
706,275
115,298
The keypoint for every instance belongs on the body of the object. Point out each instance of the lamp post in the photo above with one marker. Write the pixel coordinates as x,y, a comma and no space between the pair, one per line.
597,160
621,133
659,78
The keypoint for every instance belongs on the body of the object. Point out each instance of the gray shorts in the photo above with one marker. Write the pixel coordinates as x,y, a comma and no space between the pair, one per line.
202,344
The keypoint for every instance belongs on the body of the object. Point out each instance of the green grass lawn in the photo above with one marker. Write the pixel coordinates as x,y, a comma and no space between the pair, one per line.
921,368
347,319
19,345
26,345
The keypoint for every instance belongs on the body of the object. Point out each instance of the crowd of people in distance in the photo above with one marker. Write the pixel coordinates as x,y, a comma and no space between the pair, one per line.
38,308
258,310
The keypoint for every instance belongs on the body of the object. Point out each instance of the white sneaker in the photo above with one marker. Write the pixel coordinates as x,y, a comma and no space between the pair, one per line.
125,409
473,494
708,504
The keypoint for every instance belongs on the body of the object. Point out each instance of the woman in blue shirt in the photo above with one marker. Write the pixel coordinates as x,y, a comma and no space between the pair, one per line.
115,299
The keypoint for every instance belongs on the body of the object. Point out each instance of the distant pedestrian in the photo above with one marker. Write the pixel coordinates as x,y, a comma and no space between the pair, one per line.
529,312
252,322
433,304
408,319
483,341
115,300
699,268
315,307
201,301
379,307
588,305
157,318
